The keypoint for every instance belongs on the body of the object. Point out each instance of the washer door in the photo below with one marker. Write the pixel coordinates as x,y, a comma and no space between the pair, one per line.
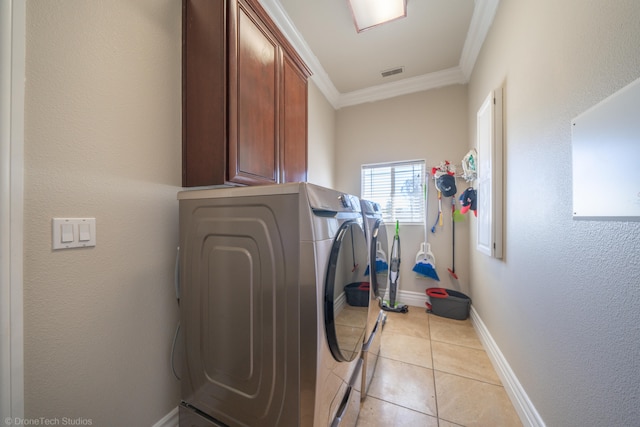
346,296
379,257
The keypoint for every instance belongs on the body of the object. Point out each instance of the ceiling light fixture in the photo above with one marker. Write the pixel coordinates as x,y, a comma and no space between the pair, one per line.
370,13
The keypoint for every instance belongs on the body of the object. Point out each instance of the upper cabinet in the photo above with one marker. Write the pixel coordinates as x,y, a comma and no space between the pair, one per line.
293,114
244,97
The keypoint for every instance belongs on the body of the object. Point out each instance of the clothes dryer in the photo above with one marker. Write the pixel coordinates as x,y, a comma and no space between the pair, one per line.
270,337
378,267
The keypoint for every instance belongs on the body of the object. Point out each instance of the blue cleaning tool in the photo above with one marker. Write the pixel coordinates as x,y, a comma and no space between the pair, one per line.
425,260
425,263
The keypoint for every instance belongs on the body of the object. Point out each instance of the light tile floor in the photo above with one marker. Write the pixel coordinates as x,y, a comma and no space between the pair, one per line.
433,372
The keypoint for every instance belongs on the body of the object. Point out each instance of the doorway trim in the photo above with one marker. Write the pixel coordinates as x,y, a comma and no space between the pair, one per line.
12,83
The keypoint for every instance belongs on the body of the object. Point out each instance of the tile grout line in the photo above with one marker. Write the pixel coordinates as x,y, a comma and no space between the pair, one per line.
433,368
400,406
459,345
469,378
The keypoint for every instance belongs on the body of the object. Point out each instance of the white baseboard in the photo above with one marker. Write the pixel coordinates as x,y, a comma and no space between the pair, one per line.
414,299
169,420
523,406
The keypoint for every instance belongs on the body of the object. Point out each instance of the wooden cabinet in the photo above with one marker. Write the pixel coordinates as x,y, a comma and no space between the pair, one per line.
293,159
244,97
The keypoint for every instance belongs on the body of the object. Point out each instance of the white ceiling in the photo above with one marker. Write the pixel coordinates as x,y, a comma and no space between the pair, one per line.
437,44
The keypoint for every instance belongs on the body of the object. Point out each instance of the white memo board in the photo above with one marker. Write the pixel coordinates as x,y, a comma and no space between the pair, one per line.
489,182
606,158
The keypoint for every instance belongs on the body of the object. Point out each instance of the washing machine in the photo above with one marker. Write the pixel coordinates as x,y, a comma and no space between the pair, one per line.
272,331
378,268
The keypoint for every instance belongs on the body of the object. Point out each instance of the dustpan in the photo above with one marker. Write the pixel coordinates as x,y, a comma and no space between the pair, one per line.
380,262
425,264
381,259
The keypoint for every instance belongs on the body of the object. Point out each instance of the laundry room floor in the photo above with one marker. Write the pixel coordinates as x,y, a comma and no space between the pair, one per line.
434,372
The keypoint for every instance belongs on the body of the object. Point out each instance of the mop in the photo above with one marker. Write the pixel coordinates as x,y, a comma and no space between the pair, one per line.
425,264
456,216
394,273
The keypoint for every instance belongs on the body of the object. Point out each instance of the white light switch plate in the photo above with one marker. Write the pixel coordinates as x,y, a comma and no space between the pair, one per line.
73,233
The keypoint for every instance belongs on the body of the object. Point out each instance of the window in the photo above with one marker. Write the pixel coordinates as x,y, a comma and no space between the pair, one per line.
399,189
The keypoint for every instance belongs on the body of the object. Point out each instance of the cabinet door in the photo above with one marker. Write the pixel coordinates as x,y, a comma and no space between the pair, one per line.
253,101
204,111
293,147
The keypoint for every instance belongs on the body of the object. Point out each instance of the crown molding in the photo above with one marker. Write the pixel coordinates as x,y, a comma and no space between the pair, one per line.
483,14
402,87
481,20
320,77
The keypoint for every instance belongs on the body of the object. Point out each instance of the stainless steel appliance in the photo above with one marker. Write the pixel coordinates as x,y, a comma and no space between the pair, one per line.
376,234
270,335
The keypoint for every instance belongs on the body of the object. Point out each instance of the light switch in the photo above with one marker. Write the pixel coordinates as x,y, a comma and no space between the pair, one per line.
84,232
73,233
66,233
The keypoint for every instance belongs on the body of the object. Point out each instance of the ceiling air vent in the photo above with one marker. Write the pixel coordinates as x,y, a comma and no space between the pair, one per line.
392,71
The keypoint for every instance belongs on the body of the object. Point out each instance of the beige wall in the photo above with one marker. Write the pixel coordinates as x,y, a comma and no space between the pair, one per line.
563,304
321,138
102,139
429,125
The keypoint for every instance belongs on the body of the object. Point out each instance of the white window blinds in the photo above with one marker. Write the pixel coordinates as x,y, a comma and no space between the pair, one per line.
398,187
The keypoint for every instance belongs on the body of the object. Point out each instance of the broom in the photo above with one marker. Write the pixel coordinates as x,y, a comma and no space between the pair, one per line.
381,265
425,264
